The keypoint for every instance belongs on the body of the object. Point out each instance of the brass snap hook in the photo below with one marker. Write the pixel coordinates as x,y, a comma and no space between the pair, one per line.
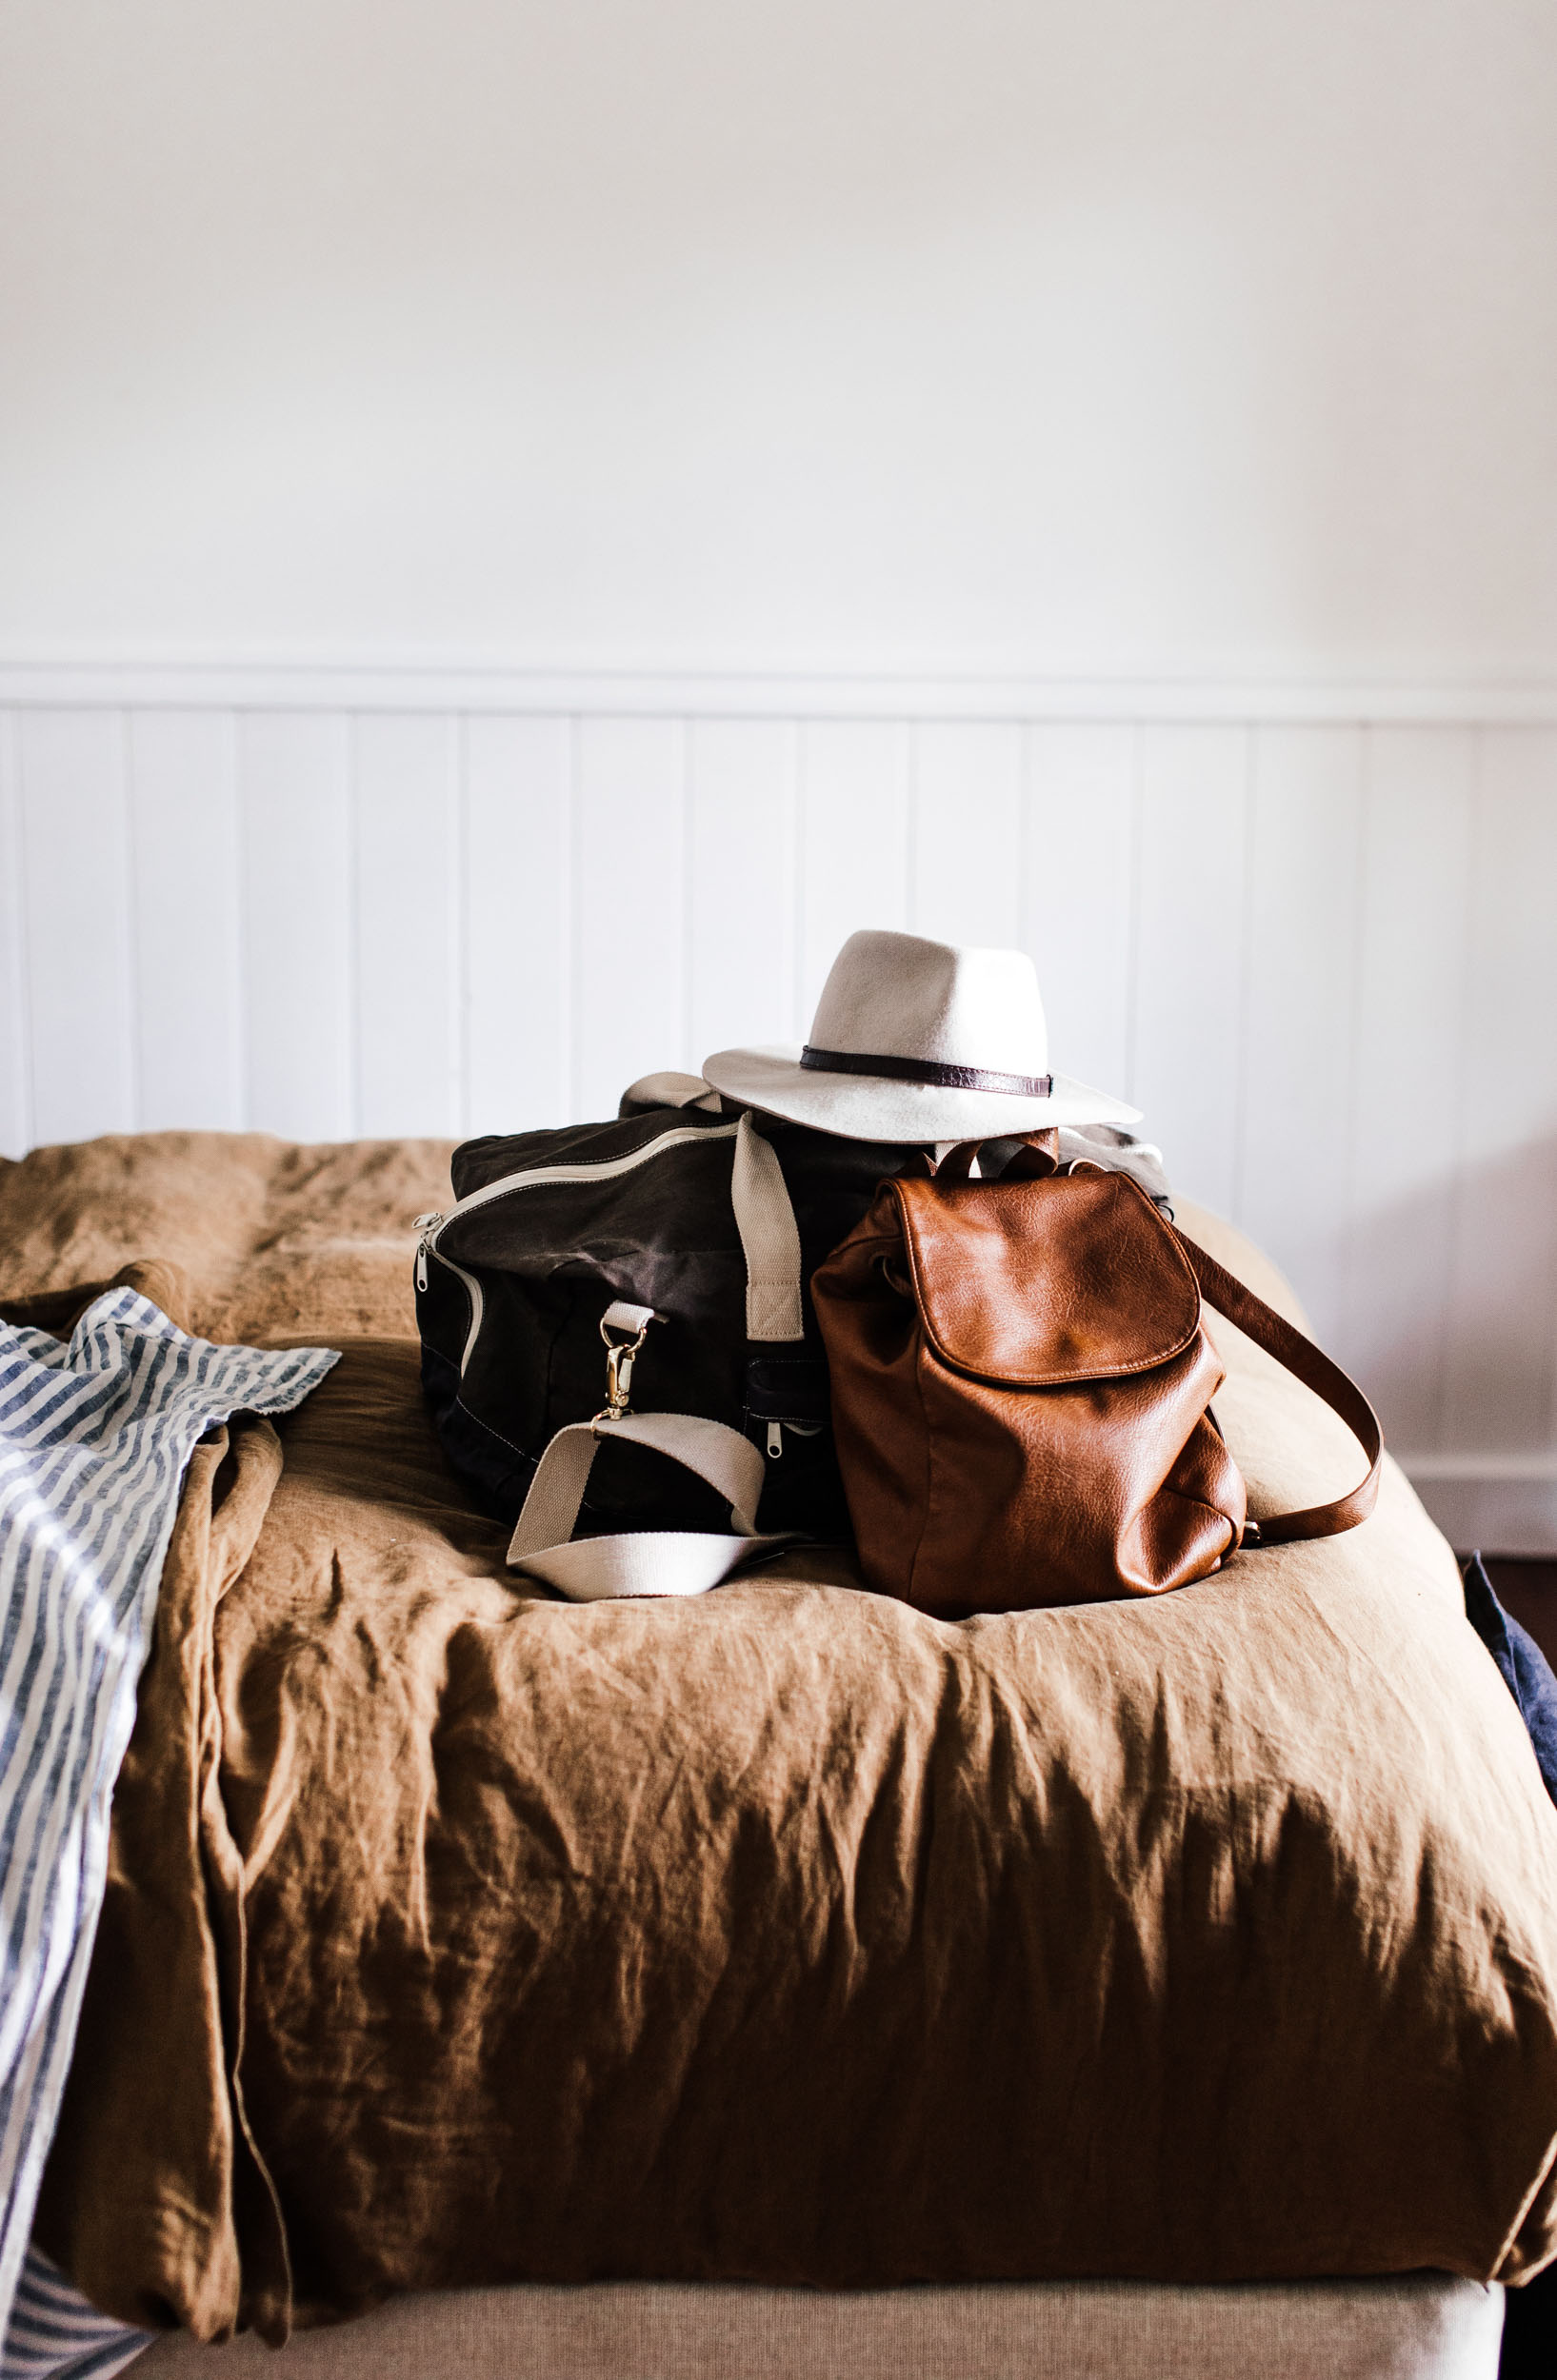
619,1361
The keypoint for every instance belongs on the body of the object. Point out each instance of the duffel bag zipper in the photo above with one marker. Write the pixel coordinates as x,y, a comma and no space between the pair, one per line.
431,1227
796,1429
426,1225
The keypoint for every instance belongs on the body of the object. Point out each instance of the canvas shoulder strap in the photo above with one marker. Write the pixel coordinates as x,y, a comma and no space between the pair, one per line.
769,1238
647,1561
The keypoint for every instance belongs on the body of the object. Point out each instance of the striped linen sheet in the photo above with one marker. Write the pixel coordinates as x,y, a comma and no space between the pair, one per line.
53,2334
95,1437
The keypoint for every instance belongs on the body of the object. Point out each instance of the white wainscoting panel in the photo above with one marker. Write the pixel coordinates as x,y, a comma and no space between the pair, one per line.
407,1000
517,1009
298,869
1409,1085
855,810
743,947
632,925
185,881
76,923
16,1103
1501,1344
1294,1102
1190,965
967,838
1080,892
1316,945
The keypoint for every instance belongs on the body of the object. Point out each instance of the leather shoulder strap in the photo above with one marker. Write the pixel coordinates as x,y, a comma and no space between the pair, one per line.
1314,1369
1040,1156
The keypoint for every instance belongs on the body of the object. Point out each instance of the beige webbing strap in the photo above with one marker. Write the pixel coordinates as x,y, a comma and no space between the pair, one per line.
648,1562
550,1509
770,1238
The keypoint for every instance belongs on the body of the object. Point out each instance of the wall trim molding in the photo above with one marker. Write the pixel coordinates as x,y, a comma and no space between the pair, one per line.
1490,1503
1487,1468
389,683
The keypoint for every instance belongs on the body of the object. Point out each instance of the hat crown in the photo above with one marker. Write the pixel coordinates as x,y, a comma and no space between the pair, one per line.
901,996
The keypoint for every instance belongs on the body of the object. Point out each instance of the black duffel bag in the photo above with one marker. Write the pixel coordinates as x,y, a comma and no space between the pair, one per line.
598,1295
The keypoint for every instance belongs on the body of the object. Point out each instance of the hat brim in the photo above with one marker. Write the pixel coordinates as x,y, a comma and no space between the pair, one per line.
877,1108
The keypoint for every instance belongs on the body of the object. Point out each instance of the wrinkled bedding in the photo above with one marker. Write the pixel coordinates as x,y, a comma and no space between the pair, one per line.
458,1936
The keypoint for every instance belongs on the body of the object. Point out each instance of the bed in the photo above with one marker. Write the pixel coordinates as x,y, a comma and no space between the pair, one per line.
782,1981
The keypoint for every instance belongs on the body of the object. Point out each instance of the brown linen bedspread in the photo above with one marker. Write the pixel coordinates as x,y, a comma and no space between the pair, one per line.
784,1934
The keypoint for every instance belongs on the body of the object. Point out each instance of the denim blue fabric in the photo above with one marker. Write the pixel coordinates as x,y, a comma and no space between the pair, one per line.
1525,1668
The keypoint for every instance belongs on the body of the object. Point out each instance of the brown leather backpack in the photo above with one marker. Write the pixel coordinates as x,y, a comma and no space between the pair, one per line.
1021,1393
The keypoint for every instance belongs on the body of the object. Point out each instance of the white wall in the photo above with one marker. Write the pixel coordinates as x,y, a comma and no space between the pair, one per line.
1091,335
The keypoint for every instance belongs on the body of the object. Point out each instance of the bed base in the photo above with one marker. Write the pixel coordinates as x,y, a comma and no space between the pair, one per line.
1419,2327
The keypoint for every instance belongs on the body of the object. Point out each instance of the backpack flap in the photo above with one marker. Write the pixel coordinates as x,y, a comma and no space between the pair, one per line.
1041,1283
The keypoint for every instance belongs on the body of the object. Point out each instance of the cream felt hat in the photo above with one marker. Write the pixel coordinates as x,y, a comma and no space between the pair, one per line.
919,1041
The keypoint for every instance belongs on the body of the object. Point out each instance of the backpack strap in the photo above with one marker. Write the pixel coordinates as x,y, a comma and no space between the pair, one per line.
1038,1155
1310,1364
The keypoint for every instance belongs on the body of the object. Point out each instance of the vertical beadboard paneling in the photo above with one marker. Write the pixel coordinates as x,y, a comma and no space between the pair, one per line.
741,942
1499,1377
406,789
1191,923
1078,880
1321,958
853,840
964,845
76,894
184,837
519,924
1415,862
629,906
298,923
1294,1107
15,1065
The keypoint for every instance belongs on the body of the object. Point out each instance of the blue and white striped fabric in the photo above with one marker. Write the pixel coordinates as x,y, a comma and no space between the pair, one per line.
95,1440
56,2336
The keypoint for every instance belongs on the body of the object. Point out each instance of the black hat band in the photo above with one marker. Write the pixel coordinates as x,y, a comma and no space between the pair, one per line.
1028,1086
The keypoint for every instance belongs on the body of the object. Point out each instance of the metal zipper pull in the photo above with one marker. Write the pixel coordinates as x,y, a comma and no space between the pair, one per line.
426,1226
775,1440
